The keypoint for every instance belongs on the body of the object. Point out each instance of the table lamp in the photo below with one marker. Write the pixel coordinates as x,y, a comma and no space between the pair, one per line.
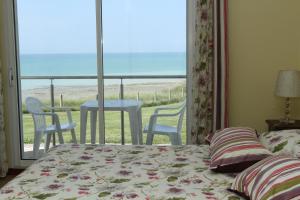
288,86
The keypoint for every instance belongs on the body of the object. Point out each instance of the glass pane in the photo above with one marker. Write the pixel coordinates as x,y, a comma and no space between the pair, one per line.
144,38
56,38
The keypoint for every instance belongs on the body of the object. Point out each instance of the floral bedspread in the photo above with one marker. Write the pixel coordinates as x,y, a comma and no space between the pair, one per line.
72,172
284,142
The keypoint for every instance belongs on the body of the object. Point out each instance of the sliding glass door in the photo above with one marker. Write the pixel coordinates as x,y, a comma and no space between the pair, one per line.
144,54
57,66
98,59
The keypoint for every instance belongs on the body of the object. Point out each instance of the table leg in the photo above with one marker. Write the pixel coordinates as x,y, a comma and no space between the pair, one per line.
132,120
140,126
83,119
93,126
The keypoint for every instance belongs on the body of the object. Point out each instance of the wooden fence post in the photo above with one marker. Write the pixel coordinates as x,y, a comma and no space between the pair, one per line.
138,96
170,95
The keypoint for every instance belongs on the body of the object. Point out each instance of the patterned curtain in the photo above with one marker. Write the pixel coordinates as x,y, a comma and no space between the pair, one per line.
209,70
3,157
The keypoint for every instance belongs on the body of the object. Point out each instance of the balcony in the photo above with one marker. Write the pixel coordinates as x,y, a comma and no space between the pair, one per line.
153,91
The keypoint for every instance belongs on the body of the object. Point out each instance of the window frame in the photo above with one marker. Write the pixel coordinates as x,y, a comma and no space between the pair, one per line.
10,63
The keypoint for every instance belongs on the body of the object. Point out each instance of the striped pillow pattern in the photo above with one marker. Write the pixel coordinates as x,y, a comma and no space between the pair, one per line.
274,178
235,149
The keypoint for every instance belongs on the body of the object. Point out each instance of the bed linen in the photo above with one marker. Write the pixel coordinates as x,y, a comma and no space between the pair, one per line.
284,142
235,149
73,172
274,178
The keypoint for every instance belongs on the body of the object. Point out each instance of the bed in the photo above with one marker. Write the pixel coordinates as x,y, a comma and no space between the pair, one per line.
72,172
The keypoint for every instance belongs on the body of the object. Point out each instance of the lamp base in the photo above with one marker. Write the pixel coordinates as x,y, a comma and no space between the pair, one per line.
286,119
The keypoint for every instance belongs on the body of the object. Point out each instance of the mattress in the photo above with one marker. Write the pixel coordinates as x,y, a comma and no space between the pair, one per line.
72,172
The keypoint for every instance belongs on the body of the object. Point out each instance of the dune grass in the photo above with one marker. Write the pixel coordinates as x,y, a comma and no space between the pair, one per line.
112,126
164,97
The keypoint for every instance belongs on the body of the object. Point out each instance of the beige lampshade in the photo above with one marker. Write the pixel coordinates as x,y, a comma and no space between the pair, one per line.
288,83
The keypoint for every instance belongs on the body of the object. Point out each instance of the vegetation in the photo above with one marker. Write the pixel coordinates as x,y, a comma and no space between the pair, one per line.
163,97
112,124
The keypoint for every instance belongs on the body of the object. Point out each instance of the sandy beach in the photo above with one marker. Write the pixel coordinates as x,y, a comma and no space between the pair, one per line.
90,92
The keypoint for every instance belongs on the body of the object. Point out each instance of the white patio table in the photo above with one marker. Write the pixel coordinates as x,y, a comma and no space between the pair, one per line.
133,108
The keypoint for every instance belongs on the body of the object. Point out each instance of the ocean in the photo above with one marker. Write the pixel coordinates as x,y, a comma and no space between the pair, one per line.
85,64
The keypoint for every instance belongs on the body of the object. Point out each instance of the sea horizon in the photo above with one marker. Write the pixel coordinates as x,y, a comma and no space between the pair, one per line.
85,64
116,52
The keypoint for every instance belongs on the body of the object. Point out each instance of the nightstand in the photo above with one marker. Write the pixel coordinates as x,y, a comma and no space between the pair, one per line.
276,125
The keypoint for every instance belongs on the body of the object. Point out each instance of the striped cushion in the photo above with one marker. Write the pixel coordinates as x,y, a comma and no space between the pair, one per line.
274,178
235,149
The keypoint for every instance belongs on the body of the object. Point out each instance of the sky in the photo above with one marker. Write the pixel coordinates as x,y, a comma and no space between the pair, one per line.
69,26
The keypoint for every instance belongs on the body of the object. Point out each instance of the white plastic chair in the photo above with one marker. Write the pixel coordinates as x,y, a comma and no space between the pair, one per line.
36,108
174,133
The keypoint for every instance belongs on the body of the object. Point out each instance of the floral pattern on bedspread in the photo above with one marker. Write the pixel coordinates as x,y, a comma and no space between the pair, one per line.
284,142
121,172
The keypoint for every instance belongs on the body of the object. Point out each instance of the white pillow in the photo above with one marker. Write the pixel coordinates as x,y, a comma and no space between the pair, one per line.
285,142
297,149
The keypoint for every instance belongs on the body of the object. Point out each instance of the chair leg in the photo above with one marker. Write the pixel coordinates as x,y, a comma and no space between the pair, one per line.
179,139
172,139
149,140
60,137
48,140
36,145
74,140
175,139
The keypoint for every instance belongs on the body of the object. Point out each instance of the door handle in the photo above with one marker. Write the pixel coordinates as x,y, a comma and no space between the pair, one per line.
11,77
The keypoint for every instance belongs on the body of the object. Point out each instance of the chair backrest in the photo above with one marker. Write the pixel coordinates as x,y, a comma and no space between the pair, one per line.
34,106
181,115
